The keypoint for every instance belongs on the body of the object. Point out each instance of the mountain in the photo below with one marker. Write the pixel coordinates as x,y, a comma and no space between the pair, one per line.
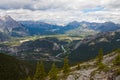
42,48
103,27
91,70
81,30
71,25
72,28
13,69
89,47
11,28
87,28
41,28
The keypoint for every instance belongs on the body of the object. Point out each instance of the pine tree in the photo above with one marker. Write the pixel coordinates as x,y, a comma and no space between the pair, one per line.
53,73
100,64
40,72
66,69
100,56
28,78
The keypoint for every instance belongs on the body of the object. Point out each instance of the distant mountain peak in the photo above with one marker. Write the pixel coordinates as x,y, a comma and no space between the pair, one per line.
6,18
74,22
6,22
10,27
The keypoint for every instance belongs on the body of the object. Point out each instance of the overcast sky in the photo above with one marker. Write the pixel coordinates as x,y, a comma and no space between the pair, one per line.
62,11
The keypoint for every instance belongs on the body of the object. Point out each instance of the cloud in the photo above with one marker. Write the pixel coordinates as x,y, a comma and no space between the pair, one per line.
65,4
57,4
15,4
110,3
62,11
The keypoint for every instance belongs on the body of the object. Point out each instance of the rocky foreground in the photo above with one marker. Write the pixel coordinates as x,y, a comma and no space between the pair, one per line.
91,71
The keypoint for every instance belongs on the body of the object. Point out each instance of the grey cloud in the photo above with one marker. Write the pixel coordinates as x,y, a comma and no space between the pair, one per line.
63,17
47,4
57,4
61,11
16,4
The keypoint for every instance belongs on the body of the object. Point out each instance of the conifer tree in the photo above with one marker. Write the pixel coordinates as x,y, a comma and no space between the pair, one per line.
53,73
40,72
66,69
100,64
100,56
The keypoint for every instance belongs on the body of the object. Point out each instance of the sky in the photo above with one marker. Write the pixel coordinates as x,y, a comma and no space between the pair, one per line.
62,11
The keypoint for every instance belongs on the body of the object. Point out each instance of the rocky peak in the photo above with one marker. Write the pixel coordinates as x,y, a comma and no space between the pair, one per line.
5,18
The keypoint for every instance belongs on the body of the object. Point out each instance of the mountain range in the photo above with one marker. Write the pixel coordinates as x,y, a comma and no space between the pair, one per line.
89,46
11,28
47,48
98,35
31,41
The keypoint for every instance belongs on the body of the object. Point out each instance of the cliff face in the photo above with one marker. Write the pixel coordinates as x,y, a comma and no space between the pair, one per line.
91,71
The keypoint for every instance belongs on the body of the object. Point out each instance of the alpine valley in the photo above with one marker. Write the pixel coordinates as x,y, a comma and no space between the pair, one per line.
24,43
